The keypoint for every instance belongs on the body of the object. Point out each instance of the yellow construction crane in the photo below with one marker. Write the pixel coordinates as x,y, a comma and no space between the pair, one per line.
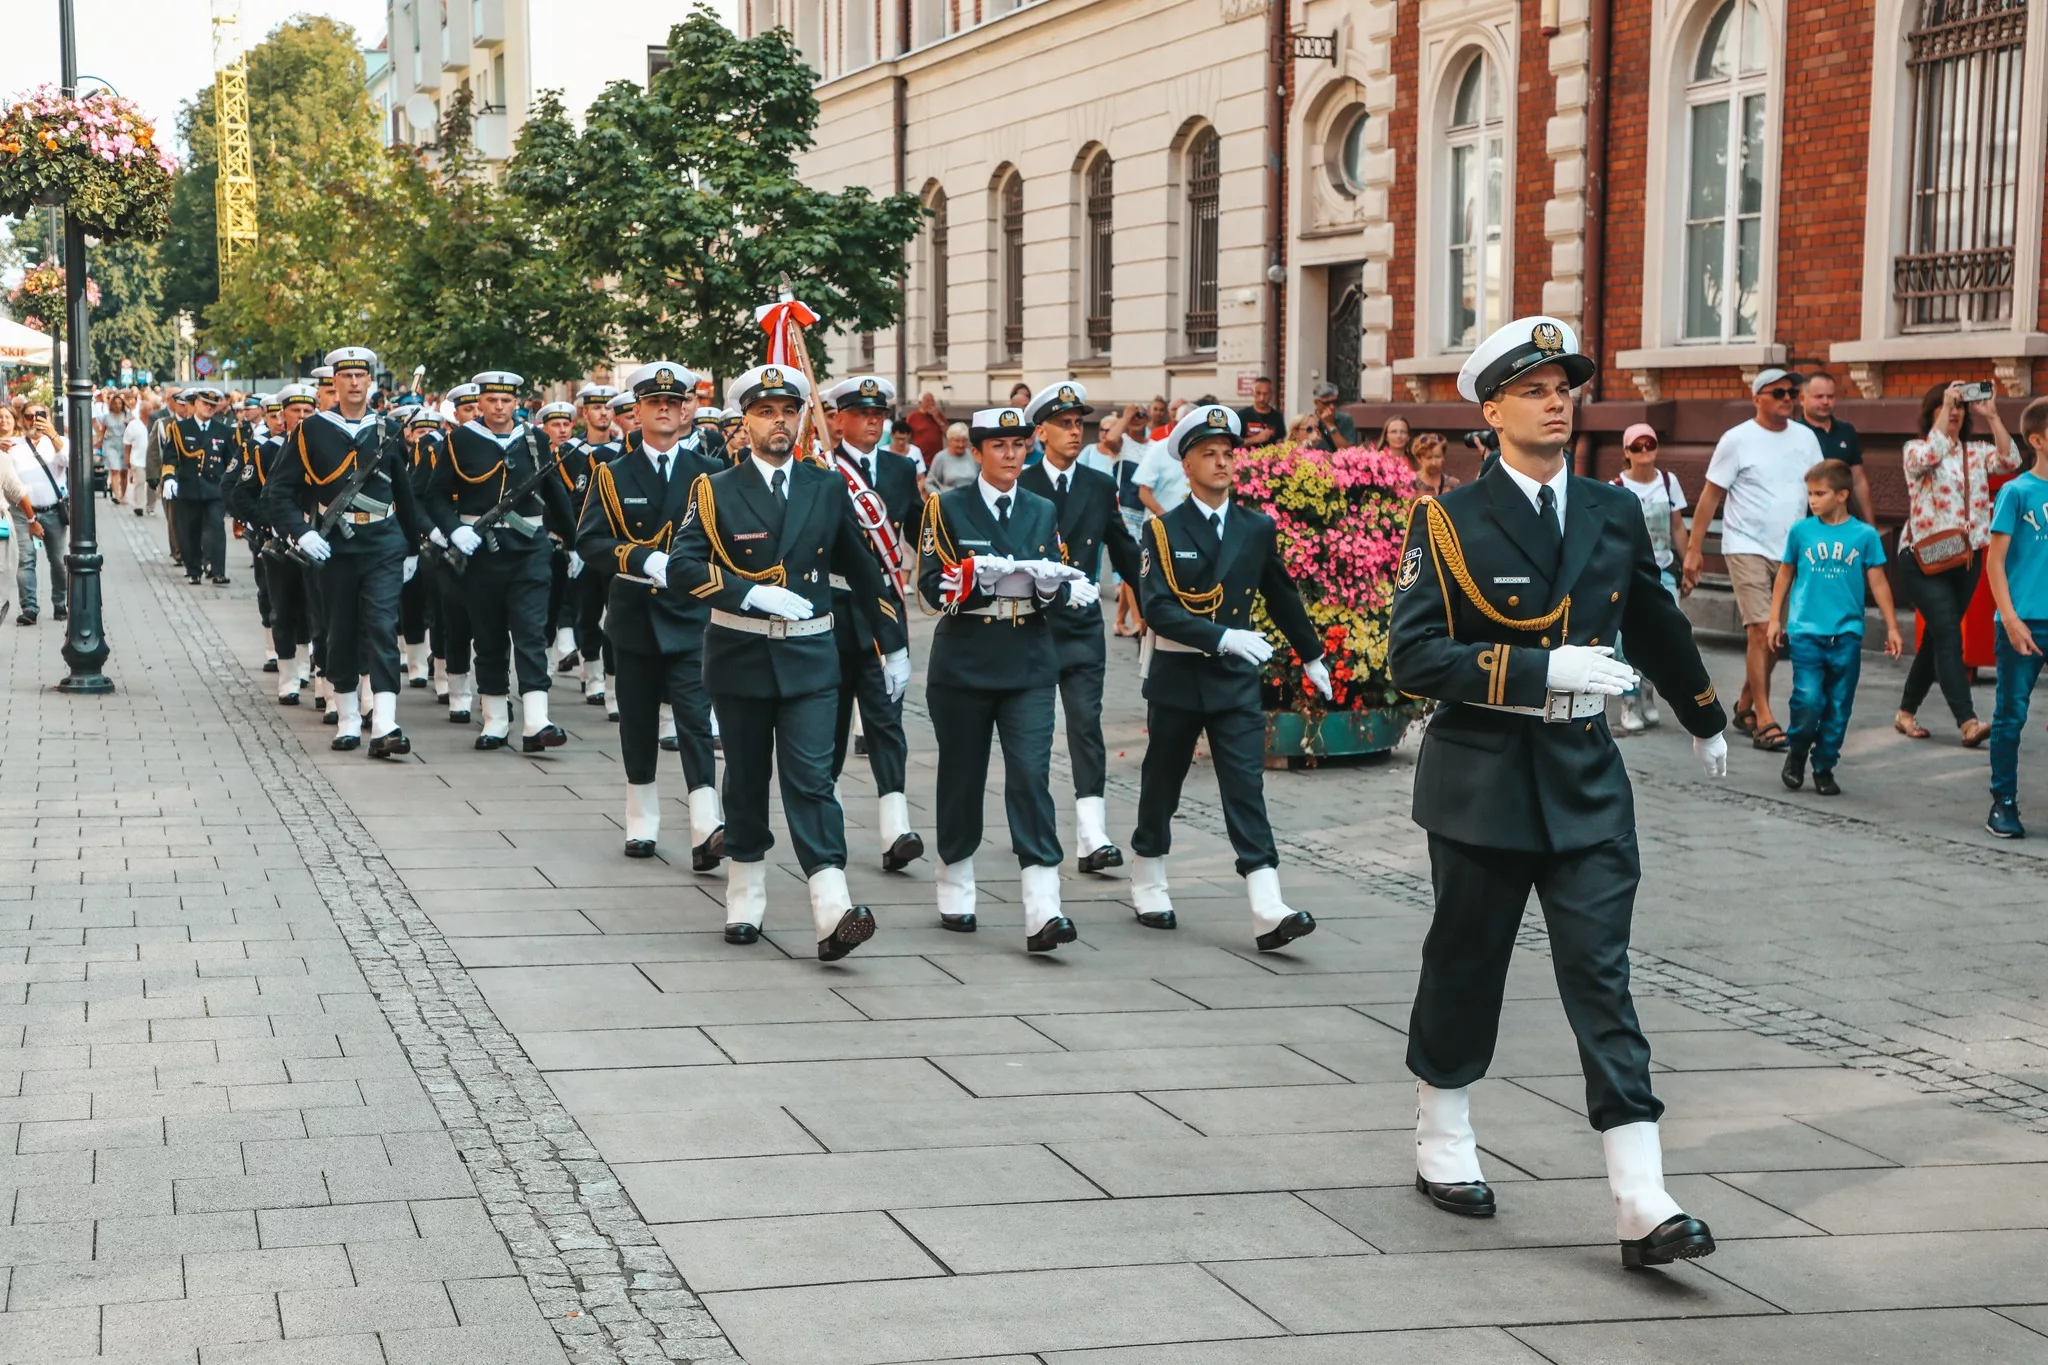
235,185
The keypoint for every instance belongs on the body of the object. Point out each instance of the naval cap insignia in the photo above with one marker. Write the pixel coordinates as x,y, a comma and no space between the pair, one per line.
869,389
1009,419
771,378
1067,393
1217,417
664,375
1547,338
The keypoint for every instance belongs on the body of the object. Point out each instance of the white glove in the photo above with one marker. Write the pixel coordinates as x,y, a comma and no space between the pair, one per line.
315,547
1583,668
465,539
655,566
1248,645
790,606
896,673
1318,674
438,538
575,564
990,569
412,566
1084,594
1049,572
1713,754
170,489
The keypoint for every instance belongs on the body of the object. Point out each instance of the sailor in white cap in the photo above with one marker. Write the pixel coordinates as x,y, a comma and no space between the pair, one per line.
206,451
459,404
324,396
598,445
419,626
1510,595
654,630
557,420
760,542
626,418
883,489
288,619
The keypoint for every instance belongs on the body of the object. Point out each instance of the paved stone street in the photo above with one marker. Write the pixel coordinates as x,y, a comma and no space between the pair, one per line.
323,1060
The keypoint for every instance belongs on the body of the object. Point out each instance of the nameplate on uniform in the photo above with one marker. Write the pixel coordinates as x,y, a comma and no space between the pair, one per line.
1185,554
751,535
634,502
1512,578
984,544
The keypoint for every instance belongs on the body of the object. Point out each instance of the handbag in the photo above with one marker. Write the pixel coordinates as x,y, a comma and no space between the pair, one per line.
1943,552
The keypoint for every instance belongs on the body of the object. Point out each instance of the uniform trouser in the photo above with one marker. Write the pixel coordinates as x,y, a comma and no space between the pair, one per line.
289,624
414,601
792,737
1081,699
1588,897
507,593
1237,743
965,720
645,682
558,593
360,585
202,531
881,720
452,631
259,569
170,521
591,589
316,615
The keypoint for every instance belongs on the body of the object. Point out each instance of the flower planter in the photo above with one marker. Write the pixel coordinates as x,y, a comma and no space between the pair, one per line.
1294,740
95,156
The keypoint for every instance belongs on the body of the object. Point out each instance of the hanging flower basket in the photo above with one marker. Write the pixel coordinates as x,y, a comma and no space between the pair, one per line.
38,301
96,156
1341,520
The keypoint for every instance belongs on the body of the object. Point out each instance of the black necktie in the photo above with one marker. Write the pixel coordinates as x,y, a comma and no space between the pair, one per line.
775,484
1215,521
661,467
867,472
1547,530
1003,511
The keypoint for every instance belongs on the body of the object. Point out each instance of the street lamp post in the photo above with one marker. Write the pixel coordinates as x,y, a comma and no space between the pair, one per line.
85,643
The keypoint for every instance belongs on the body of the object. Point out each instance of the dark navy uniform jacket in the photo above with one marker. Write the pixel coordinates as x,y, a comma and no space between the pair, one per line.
1090,523
204,457
990,653
631,514
320,457
1476,611
477,469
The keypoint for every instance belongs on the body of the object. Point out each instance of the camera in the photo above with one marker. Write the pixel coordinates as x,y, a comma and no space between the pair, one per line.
1487,439
1983,391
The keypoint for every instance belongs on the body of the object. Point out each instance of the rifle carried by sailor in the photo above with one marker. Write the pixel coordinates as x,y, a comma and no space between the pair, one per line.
501,513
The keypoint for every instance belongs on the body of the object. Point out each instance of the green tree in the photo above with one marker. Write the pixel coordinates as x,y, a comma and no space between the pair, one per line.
132,320
686,195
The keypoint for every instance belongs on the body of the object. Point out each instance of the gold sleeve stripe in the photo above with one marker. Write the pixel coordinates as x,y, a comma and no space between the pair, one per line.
1443,539
619,552
1707,697
1493,660
1200,603
711,584
707,514
887,610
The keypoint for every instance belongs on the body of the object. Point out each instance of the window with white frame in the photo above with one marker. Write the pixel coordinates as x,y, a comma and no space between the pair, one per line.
1099,250
1010,263
1204,211
1475,146
1724,175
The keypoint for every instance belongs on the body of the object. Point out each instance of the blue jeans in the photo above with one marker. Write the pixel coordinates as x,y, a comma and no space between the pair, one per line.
2016,675
1824,673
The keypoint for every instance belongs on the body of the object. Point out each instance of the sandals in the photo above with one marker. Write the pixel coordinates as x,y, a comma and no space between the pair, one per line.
1911,728
1745,720
1975,732
1772,739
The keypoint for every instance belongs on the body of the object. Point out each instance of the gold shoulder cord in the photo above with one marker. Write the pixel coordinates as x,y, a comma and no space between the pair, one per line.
1449,553
1200,603
707,512
615,514
306,462
939,541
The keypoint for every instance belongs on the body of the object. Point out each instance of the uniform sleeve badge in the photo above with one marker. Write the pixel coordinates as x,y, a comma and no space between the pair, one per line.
1411,569
1144,561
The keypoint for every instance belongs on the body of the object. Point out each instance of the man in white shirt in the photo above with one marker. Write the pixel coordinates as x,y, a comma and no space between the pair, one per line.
40,463
135,446
1759,469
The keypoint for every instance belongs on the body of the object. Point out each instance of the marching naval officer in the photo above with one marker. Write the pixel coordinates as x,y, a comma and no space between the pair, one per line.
290,618
599,445
989,559
1511,593
558,421
1089,523
760,543
205,451
1199,568
657,632
363,567
883,489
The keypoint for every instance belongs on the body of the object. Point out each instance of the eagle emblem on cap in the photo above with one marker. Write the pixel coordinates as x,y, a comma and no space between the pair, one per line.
1217,417
1548,339
1008,419
664,375
1067,393
771,378
870,389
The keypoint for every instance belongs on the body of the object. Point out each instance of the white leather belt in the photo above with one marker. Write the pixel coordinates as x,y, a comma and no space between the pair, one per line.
1005,609
1557,707
636,578
774,627
1160,642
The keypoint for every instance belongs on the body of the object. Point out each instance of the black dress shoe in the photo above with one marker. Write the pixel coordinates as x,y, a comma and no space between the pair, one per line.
856,927
417,682
1824,783
490,741
547,737
287,699
1109,855
1794,774
742,933
706,856
270,665
1300,924
393,745
907,849
959,924
1678,1238
570,662
330,718
1157,919
1471,1200
1059,929
219,580
64,613
594,699
345,743
672,744
639,848
458,717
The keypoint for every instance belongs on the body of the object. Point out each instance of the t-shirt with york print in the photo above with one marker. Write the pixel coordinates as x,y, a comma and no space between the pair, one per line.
2022,513
1829,566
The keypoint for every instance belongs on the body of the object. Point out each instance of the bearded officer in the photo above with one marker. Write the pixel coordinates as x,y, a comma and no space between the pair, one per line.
1511,594
656,631
505,582
760,542
1201,567
363,567
205,451
883,487
989,559
598,446
1090,523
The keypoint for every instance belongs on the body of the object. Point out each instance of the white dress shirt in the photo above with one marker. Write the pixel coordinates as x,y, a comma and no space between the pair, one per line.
769,471
1532,490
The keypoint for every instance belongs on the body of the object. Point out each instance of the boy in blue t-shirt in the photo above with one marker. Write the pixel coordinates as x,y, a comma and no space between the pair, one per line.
2017,567
1817,602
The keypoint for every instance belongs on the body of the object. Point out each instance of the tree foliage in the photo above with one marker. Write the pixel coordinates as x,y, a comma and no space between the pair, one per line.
686,196
131,321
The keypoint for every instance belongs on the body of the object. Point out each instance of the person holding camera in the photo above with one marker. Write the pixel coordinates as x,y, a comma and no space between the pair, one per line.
1949,524
38,455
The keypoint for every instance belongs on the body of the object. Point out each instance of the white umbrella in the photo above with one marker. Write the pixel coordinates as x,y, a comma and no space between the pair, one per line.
21,345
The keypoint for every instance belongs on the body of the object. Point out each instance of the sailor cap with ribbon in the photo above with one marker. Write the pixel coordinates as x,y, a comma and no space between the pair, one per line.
862,391
662,377
498,381
1211,419
557,409
322,376
1056,400
769,381
273,402
709,416
619,402
596,393
424,416
997,422
351,358
295,393
463,393
1523,345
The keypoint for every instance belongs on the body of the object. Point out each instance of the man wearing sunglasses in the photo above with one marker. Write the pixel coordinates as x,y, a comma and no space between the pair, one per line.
1757,482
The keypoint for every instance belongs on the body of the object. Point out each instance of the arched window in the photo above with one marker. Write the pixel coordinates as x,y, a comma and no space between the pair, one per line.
1344,153
1476,144
1010,198
935,278
1098,243
1204,179
1724,175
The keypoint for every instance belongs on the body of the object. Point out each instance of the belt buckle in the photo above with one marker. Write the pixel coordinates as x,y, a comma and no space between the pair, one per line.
778,629
1557,707
1011,609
